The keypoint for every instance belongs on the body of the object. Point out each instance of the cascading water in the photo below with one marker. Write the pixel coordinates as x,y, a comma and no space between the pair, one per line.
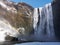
35,18
43,23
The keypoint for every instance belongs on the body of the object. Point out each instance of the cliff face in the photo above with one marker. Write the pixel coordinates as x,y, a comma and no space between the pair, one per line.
56,0
56,15
24,17
19,15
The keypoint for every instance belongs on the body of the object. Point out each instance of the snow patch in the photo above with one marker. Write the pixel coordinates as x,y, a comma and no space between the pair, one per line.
7,29
12,9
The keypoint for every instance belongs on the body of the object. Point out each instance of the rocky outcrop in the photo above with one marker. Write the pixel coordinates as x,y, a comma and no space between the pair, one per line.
19,16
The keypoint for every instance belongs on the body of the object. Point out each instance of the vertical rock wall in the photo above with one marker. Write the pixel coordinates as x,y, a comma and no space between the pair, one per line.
56,17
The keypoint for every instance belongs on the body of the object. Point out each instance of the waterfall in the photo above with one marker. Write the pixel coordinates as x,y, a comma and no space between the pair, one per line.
35,19
49,18
43,23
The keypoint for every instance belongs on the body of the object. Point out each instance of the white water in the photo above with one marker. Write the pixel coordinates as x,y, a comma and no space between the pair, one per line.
45,29
35,16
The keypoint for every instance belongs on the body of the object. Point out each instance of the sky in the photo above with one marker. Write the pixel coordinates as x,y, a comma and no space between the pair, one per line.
35,3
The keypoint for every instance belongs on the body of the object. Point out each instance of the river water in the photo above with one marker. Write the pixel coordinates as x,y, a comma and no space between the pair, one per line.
31,43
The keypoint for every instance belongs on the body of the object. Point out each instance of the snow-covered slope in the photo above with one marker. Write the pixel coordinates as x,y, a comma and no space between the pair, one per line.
6,29
15,19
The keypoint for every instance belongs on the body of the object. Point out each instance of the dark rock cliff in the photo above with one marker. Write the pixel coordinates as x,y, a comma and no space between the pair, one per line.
56,17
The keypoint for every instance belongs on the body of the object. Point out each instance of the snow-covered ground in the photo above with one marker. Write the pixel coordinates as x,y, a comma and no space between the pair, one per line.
6,29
